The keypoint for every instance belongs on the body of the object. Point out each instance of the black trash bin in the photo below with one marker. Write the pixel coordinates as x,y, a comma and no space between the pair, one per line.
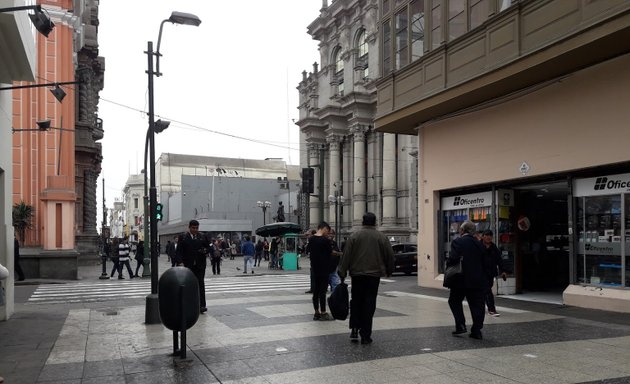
178,293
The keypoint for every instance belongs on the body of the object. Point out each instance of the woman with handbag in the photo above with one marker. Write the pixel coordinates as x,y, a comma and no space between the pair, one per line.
466,278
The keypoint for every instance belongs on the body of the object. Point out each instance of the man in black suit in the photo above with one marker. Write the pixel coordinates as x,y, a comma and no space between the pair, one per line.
472,284
192,249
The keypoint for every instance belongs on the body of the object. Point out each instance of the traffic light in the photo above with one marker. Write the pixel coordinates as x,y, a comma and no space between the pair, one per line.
308,180
158,212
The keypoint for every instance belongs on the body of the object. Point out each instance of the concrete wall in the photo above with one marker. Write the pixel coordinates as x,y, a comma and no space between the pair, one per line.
6,202
233,198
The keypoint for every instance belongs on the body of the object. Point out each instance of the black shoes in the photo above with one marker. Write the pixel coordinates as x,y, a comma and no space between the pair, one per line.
366,340
476,335
459,330
203,309
309,291
354,334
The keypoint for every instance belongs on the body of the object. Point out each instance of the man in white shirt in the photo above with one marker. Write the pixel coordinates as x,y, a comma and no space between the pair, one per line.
123,258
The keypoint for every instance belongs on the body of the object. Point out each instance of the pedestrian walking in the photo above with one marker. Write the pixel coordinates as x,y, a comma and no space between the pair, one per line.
258,253
320,248
266,250
172,250
192,249
232,251
123,258
367,256
114,257
473,282
16,259
139,257
215,257
168,250
248,250
273,251
494,266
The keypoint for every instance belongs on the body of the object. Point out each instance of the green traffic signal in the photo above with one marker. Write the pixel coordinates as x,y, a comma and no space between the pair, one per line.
158,212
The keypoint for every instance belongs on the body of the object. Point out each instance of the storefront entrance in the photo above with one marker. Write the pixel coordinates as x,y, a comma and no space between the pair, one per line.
541,237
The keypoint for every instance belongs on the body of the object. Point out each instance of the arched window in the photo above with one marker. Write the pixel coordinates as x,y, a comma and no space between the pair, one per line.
338,60
362,54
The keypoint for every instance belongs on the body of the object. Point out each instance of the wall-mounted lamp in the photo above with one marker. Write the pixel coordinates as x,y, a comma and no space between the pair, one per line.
56,91
40,20
42,126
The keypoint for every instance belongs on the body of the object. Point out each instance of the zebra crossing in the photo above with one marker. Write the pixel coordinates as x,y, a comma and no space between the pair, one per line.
109,290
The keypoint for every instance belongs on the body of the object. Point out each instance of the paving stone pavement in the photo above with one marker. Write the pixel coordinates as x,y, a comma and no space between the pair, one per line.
251,336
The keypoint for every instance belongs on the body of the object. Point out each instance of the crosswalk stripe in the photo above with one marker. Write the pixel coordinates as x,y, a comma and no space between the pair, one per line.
107,291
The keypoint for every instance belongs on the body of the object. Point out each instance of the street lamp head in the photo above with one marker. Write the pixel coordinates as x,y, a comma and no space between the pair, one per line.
160,125
332,199
43,125
41,21
267,204
184,19
259,203
58,93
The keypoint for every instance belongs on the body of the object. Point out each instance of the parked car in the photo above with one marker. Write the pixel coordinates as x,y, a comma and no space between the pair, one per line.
405,257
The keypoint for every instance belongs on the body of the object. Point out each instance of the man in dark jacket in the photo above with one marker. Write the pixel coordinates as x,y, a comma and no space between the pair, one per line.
367,256
494,266
320,250
192,249
473,283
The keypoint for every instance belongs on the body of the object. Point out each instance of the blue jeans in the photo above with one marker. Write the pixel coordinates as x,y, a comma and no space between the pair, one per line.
333,280
247,259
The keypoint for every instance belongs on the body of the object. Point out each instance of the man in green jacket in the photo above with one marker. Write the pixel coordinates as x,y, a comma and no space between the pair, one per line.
367,256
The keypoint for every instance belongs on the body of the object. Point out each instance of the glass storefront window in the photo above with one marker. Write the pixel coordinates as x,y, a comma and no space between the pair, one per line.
599,240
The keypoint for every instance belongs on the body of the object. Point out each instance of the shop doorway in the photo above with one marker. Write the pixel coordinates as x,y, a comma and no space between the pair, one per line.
542,237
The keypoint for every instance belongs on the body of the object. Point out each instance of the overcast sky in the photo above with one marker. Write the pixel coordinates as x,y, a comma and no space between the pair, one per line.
235,74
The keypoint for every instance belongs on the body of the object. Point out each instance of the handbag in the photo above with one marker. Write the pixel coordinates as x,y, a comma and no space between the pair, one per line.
453,274
339,302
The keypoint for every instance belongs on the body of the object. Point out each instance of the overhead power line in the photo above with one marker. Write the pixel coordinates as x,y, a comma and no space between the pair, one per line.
198,127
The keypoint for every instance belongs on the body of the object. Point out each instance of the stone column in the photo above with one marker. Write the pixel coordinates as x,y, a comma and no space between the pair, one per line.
360,182
334,172
313,157
389,180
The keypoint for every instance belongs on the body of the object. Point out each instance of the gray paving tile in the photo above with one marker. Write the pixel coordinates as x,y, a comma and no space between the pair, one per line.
94,369
104,380
157,362
61,372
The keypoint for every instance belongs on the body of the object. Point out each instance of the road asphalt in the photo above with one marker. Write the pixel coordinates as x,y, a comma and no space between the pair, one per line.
259,329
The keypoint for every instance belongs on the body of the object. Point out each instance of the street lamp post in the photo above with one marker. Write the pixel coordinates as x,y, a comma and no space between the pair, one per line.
336,199
264,207
152,315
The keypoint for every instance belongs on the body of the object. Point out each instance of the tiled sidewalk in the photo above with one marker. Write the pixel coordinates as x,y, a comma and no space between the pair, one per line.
272,339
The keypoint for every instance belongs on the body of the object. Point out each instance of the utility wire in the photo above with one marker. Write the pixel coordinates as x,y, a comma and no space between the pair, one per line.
183,124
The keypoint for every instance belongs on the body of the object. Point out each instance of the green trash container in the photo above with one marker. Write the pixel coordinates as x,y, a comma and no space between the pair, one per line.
289,261
290,256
